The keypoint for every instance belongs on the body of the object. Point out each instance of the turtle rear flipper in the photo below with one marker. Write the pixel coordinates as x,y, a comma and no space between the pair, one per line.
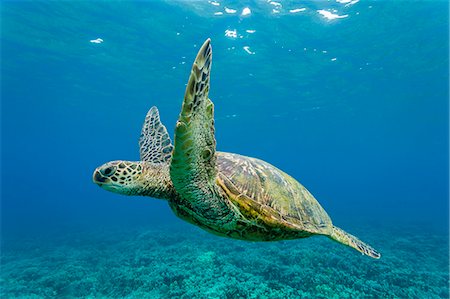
345,238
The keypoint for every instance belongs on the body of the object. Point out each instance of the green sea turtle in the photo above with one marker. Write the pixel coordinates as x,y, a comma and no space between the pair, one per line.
226,194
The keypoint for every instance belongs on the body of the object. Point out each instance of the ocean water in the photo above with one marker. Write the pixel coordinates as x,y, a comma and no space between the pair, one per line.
348,97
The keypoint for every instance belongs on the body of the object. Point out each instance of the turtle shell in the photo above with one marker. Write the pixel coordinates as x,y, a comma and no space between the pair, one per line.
268,195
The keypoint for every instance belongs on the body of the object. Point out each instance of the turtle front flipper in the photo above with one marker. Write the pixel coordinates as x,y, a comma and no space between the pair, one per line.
154,144
193,165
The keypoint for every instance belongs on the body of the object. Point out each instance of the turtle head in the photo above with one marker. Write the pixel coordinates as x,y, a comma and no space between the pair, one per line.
135,178
122,177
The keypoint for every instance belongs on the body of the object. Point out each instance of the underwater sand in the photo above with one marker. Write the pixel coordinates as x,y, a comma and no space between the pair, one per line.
181,261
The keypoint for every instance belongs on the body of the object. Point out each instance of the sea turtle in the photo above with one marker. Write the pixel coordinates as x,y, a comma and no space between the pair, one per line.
226,194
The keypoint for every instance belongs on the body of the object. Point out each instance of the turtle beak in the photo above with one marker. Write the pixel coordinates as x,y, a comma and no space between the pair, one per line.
98,178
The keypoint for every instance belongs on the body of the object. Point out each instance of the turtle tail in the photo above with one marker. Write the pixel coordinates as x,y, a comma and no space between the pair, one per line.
342,237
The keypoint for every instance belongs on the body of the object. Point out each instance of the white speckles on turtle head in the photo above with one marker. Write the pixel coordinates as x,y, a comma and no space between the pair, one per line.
135,178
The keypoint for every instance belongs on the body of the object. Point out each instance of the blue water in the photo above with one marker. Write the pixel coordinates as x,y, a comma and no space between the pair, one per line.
349,98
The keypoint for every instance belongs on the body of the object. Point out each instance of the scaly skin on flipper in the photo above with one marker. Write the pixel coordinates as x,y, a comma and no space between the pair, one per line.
193,166
343,237
154,144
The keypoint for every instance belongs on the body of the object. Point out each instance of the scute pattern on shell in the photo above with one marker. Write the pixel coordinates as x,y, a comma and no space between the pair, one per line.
273,189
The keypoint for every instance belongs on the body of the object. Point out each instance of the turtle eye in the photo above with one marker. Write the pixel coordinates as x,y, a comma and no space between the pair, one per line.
108,171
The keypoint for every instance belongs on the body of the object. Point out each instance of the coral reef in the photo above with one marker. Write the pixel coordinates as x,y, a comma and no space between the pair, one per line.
181,261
